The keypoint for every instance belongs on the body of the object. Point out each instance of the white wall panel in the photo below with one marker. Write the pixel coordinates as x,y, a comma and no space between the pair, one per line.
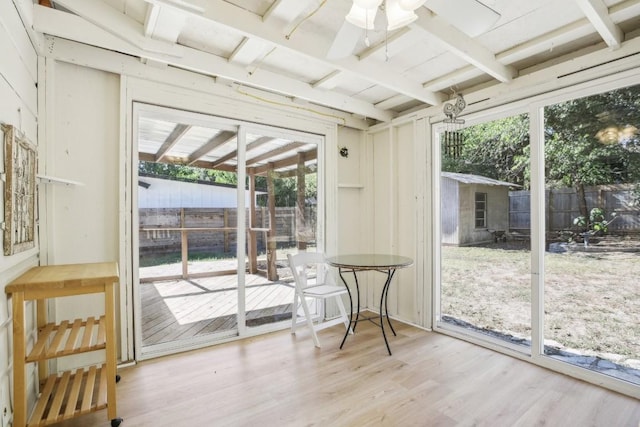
350,192
404,286
83,146
18,107
18,67
395,201
382,199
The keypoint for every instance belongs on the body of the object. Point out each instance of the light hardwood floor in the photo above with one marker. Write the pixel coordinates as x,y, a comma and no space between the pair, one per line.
281,379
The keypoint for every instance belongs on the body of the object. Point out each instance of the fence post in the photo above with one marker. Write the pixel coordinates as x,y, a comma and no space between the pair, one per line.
185,246
225,216
272,272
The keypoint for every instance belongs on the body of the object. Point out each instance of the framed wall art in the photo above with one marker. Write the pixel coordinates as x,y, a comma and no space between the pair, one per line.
20,164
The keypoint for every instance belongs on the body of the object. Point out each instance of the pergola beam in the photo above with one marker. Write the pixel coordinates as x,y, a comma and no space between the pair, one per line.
174,137
213,143
275,152
255,144
286,162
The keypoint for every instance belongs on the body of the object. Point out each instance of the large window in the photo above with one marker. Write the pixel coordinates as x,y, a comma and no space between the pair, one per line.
550,265
592,265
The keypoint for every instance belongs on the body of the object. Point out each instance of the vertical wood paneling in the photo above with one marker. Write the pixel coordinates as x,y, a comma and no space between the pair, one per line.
404,286
383,227
394,201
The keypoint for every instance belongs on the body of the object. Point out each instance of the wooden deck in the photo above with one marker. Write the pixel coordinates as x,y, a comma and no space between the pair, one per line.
183,308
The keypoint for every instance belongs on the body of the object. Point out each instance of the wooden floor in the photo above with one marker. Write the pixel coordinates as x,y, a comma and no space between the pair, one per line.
281,379
179,309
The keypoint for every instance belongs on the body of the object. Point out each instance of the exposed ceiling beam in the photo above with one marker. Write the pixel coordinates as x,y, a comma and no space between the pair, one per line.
151,20
531,47
275,152
249,51
252,146
72,27
313,47
177,5
287,10
462,45
111,20
174,137
392,102
163,23
288,161
598,14
396,42
213,143
329,81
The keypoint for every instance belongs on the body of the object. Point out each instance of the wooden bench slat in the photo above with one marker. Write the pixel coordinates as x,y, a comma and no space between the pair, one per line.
88,332
58,397
53,347
87,397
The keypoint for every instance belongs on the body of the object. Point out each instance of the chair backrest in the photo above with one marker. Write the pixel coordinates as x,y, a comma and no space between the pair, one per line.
308,265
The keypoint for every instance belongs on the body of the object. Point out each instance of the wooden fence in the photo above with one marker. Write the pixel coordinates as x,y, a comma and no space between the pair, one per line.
561,208
215,229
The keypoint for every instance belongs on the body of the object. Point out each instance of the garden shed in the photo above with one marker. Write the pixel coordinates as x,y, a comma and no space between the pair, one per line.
475,209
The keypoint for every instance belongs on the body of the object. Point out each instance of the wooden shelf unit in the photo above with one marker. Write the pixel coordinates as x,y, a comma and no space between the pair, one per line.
71,393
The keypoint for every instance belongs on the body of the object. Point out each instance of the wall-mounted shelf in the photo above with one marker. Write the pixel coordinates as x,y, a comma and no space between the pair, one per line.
350,186
54,180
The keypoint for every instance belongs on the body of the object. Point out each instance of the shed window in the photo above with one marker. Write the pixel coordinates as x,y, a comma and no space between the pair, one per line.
481,210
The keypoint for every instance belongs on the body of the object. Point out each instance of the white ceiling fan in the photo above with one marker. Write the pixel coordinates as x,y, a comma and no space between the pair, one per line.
472,17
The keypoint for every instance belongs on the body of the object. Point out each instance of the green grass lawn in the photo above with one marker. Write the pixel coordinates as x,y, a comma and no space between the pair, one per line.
592,300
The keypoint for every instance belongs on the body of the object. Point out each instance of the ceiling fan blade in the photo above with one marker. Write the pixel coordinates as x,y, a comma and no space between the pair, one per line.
469,16
345,41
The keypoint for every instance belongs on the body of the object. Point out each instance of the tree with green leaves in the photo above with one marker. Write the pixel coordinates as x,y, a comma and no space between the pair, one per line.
593,141
588,141
498,149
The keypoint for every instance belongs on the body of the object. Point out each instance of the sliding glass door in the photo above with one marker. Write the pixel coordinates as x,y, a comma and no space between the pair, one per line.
220,203
485,286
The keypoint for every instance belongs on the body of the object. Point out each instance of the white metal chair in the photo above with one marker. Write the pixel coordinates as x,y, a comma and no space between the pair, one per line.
308,286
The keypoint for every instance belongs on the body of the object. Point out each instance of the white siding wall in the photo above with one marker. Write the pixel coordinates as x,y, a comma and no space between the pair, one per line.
18,107
164,193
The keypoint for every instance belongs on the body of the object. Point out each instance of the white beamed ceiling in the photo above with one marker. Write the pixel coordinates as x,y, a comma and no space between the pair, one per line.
281,45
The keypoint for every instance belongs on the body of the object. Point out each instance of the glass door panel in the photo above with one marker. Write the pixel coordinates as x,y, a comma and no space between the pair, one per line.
592,303
218,206
485,280
282,219
187,212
